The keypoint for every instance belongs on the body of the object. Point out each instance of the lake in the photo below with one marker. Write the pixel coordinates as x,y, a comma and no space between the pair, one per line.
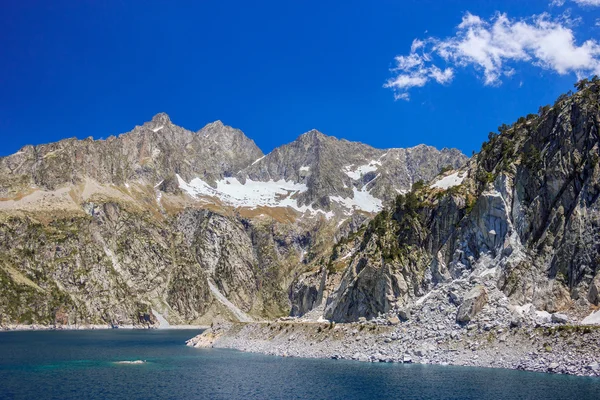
85,365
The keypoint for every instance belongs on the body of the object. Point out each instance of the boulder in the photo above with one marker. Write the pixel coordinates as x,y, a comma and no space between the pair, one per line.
472,303
593,366
594,292
560,318
404,314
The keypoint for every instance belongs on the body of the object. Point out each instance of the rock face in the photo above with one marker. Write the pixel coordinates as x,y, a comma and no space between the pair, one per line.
524,211
105,231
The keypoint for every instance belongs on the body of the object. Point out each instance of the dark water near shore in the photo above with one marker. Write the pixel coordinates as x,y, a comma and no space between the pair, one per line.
81,365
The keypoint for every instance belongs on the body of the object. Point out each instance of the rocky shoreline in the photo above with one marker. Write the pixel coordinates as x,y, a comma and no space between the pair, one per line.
562,349
468,322
37,327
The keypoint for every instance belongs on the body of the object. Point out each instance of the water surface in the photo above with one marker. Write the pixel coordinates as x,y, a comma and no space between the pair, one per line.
83,365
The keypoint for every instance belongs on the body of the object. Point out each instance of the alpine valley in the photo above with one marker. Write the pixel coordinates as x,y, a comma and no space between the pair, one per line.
321,248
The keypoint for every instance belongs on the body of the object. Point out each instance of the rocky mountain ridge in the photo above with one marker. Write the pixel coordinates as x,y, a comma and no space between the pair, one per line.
314,173
163,222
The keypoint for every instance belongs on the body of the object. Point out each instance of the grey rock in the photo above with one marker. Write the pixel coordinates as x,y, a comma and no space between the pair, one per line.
595,366
553,367
559,318
404,314
472,304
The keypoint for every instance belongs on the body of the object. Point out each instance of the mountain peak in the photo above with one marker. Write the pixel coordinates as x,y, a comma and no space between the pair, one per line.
161,118
313,136
216,126
314,133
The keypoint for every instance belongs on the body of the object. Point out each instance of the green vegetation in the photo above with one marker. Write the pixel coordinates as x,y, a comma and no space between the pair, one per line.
531,158
446,169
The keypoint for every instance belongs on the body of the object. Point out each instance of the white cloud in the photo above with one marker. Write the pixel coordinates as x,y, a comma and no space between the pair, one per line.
593,3
440,76
582,3
494,47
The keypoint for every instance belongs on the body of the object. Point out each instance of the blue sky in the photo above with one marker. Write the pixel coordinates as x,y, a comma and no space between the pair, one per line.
276,69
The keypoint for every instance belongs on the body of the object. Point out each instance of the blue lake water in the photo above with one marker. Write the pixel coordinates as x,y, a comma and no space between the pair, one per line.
81,365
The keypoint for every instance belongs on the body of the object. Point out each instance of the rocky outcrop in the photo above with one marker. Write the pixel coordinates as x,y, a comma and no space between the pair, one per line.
525,209
473,302
114,263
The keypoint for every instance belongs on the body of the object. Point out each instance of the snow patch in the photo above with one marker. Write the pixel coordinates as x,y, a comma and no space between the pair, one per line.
304,169
362,200
448,181
158,128
592,319
358,172
252,194
258,160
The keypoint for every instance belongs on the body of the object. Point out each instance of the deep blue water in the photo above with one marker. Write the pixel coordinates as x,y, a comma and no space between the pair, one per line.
81,365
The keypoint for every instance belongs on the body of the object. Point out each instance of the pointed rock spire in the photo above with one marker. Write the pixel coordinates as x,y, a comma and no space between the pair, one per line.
161,118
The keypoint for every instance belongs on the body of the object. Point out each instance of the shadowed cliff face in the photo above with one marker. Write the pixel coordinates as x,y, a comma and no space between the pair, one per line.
525,210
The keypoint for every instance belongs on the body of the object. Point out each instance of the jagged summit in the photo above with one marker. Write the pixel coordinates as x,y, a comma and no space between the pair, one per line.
219,130
313,134
212,126
161,118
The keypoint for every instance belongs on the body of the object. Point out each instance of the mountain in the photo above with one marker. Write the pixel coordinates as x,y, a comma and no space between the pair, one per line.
353,175
149,153
166,222
514,232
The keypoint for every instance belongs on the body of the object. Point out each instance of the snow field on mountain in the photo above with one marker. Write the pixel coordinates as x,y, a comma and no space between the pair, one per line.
362,200
448,181
280,193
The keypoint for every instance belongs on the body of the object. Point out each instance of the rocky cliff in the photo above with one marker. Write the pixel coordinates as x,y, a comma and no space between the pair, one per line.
515,229
166,222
